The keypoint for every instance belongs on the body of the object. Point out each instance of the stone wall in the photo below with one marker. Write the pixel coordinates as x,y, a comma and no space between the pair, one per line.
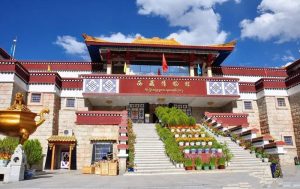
277,121
295,109
50,126
84,134
253,115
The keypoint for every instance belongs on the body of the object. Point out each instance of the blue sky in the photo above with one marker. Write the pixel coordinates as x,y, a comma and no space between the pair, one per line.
267,31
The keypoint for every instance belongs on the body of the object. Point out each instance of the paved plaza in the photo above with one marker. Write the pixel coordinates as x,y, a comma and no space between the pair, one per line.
191,180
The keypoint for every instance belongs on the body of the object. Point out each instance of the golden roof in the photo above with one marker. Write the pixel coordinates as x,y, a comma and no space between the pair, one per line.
155,41
229,44
57,138
96,138
92,39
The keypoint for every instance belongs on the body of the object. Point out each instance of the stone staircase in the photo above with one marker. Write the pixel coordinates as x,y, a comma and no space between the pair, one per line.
243,161
150,157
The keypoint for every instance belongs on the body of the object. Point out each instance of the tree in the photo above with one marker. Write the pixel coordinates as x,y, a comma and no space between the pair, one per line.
34,151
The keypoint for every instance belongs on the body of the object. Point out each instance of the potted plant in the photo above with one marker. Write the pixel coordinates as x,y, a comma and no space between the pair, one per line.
252,149
188,164
206,166
34,153
258,152
212,163
7,147
265,157
221,163
198,163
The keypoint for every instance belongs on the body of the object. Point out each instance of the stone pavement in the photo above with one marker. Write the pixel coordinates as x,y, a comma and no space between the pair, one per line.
191,180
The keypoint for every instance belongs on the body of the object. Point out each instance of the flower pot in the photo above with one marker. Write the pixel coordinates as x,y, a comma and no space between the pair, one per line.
177,165
209,143
258,155
188,168
206,150
130,169
213,150
206,167
190,135
221,167
198,143
199,151
193,151
3,162
199,167
186,151
181,143
176,135
172,130
212,167
187,143
29,173
188,130
203,143
182,130
202,135
192,143
196,135
183,136
265,159
181,165
219,150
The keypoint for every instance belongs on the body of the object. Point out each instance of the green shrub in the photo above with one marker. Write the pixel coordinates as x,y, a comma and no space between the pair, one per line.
34,152
221,161
198,162
188,162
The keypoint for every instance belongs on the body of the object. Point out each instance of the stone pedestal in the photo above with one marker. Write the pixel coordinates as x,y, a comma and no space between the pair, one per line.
14,171
122,164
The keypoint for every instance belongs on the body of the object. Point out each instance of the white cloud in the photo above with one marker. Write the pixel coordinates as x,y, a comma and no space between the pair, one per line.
198,21
119,37
288,58
72,46
278,19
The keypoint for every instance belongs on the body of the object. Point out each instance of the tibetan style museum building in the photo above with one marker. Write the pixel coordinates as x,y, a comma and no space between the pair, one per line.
90,102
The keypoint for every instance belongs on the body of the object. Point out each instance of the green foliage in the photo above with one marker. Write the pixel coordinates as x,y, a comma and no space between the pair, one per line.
191,121
8,145
171,146
221,161
174,117
34,152
198,162
212,161
226,152
188,162
131,142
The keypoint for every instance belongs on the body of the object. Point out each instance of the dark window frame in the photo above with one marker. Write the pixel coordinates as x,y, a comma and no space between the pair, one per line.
68,104
36,97
288,140
246,106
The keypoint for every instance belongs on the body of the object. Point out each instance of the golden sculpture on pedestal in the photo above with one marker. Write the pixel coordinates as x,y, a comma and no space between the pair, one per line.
19,121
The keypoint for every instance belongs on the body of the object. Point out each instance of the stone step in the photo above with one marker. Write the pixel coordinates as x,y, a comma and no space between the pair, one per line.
159,170
163,161
157,166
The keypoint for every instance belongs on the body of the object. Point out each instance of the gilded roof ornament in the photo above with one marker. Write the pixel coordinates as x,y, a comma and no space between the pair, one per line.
156,41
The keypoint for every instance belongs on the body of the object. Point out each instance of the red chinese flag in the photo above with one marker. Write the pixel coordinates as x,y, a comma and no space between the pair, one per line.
164,64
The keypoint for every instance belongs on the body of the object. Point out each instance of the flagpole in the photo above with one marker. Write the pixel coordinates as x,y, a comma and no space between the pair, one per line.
13,48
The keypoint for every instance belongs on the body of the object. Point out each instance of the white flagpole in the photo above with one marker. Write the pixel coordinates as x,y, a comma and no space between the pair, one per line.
14,48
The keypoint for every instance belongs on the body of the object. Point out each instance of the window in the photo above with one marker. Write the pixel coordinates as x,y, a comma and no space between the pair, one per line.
36,97
247,105
281,102
70,102
100,151
288,140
